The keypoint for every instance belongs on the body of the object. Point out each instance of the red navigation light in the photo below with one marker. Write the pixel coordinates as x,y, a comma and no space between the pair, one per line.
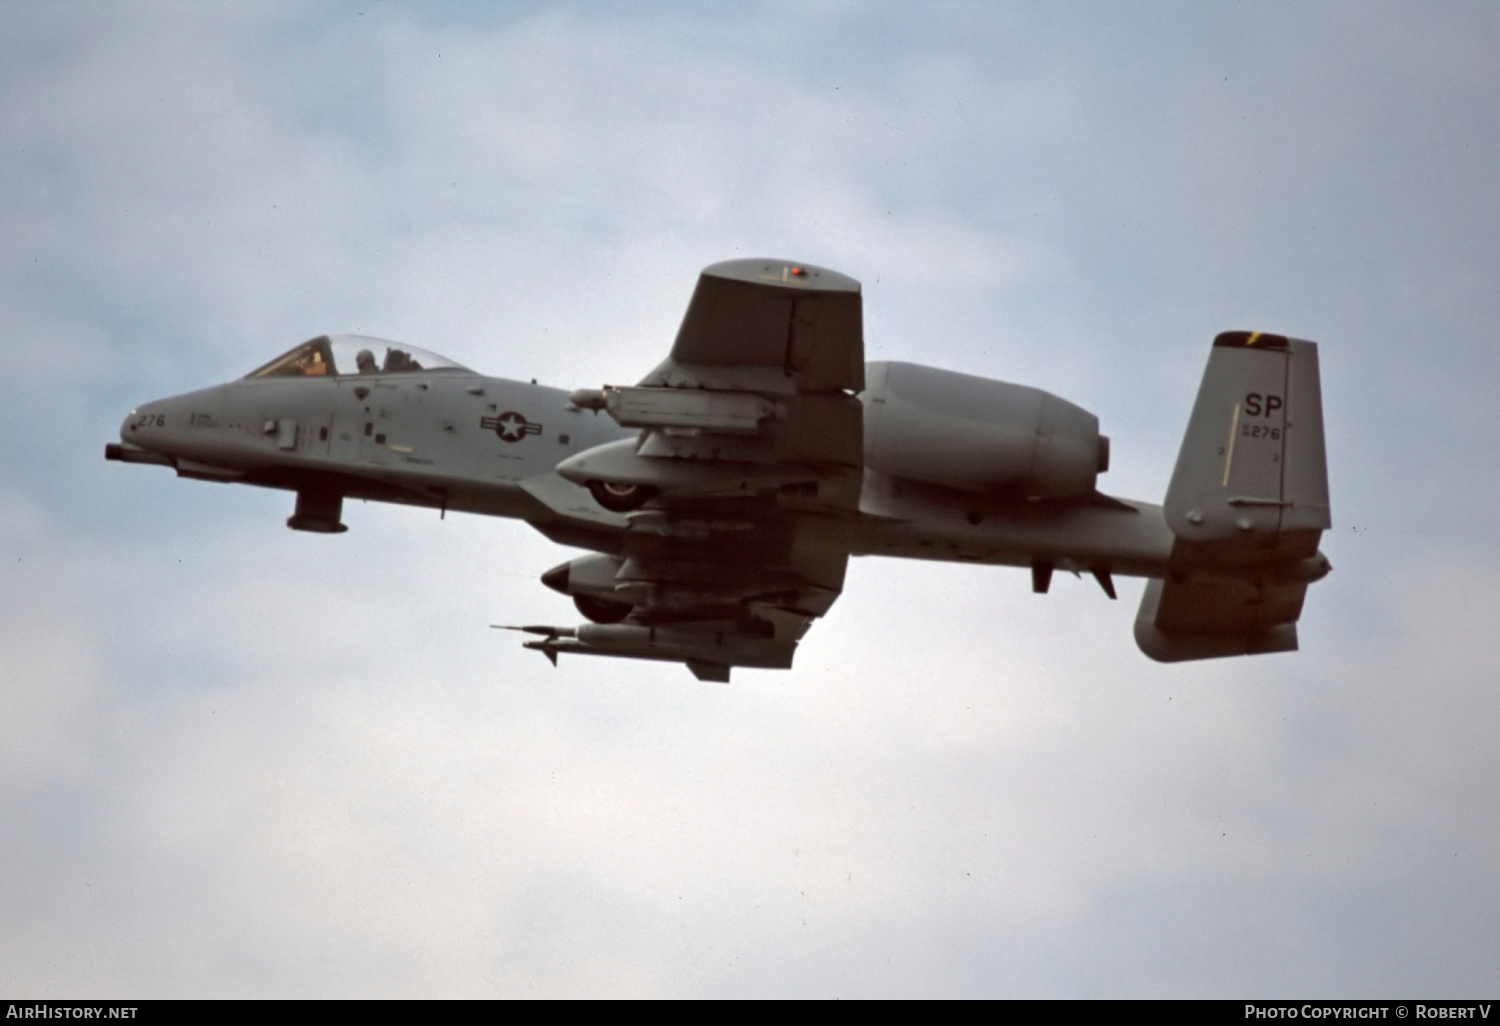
798,271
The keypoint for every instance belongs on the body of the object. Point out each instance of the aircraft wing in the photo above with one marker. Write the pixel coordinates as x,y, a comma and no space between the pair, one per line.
773,325
748,462
711,611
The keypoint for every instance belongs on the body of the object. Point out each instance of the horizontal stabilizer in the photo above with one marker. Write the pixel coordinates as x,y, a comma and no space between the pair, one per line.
1217,617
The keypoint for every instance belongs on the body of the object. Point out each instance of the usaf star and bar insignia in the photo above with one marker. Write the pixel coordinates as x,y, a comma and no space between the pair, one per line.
510,426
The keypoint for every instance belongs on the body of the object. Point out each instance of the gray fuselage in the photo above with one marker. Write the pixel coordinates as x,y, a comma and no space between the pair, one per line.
455,440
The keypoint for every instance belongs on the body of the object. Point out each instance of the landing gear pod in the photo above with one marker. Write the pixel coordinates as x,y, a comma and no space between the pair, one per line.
620,498
600,610
590,580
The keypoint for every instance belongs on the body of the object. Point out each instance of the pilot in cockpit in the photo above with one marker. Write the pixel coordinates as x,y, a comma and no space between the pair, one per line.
365,361
399,361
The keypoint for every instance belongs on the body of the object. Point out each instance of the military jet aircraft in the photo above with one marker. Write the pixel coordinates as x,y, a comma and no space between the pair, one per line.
721,497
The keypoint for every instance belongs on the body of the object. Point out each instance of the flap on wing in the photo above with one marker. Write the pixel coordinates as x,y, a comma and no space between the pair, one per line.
801,322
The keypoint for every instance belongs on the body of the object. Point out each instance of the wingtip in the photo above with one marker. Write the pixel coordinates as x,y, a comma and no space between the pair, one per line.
775,271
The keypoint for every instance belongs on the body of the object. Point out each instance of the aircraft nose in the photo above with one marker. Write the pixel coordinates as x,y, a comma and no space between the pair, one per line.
175,428
159,425
141,422
140,437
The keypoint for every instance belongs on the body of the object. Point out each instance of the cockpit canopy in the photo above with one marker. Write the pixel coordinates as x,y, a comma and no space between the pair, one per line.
329,355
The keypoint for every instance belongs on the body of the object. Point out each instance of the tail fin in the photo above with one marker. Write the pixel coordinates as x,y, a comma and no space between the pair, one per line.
1248,502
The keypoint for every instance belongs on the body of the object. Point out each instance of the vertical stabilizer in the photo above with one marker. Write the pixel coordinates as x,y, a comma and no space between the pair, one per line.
1248,502
1251,482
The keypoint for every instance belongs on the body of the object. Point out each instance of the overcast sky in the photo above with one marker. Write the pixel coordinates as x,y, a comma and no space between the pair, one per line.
240,760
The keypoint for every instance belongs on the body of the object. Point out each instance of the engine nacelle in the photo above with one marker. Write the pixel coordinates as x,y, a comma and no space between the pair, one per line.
979,435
